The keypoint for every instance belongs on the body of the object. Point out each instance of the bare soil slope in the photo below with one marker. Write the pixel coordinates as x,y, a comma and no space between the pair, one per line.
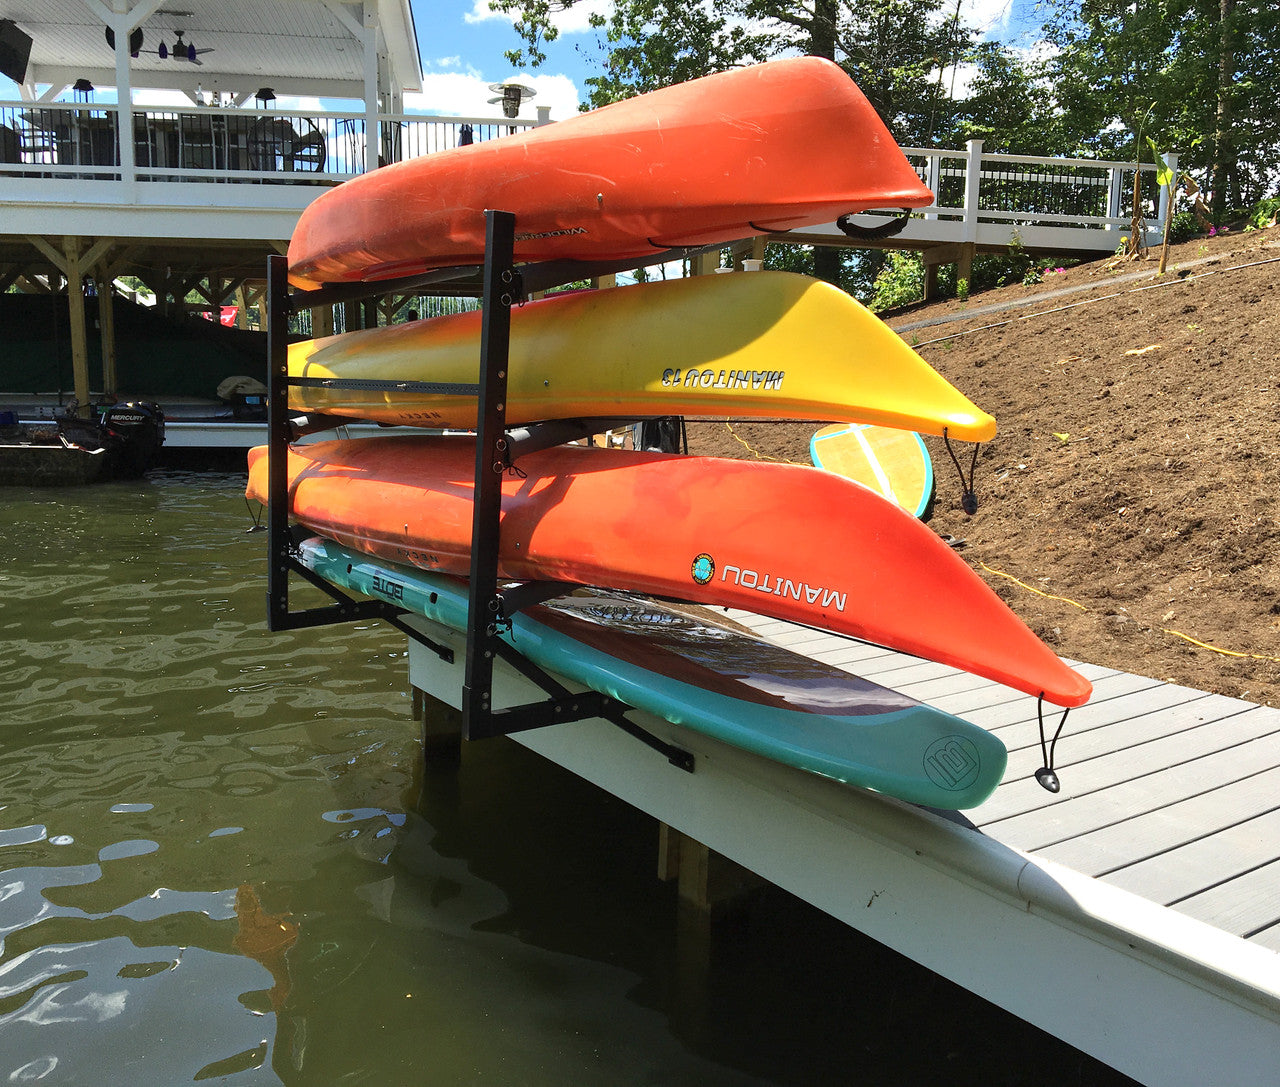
1132,489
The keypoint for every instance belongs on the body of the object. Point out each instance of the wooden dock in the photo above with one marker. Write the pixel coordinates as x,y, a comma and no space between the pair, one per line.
1135,914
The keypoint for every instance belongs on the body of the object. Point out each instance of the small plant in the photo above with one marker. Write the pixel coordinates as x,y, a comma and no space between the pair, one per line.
1264,214
962,289
899,283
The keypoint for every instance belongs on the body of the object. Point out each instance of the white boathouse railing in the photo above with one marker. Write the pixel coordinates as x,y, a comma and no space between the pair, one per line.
1050,203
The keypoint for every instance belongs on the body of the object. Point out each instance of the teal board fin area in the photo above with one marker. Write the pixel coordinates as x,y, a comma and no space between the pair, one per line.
894,463
694,670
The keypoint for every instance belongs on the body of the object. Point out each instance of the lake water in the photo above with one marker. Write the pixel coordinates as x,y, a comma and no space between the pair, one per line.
221,859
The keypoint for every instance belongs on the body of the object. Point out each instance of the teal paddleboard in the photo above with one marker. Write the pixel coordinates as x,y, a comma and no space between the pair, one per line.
687,667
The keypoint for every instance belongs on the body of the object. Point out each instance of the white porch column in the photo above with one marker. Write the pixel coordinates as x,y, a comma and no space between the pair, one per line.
369,46
972,182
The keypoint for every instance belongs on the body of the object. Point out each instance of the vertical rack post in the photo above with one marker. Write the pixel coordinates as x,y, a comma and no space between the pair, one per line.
277,441
495,339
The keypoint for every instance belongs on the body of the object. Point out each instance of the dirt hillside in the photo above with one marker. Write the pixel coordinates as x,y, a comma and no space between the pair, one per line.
1132,489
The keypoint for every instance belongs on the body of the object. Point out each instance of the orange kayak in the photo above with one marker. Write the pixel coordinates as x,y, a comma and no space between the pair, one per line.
782,540
766,148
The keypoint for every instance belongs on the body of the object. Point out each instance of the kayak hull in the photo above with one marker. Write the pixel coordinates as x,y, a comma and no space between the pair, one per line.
761,149
757,344
782,540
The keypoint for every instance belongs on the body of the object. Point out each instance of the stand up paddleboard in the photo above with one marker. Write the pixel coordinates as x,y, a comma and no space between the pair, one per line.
751,344
783,540
761,149
893,463
716,680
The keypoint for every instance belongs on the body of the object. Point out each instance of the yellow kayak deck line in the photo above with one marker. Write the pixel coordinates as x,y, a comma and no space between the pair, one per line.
745,345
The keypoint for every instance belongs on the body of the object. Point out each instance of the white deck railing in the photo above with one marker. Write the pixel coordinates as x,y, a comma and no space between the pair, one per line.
1011,189
81,141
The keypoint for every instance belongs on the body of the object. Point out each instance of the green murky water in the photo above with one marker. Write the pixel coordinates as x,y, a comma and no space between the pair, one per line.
221,859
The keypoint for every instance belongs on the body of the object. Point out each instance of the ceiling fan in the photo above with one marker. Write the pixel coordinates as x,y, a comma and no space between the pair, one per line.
181,50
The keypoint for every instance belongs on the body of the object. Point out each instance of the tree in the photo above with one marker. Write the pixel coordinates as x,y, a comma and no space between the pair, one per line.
1010,105
893,49
654,43
1174,69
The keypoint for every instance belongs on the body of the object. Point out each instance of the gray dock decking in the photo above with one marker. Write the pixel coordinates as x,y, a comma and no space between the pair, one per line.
1167,792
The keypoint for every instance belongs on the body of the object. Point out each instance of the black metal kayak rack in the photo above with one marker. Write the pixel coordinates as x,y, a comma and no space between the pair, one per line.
501,284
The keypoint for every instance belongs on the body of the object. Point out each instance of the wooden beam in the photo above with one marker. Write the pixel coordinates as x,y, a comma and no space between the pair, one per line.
11,276
79,334
706,263
72,261
944,254
107,332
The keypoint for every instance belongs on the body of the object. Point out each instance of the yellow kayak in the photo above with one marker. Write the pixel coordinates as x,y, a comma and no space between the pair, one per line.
746,344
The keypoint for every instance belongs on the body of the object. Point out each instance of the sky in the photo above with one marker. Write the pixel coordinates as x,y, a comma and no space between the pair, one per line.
461,45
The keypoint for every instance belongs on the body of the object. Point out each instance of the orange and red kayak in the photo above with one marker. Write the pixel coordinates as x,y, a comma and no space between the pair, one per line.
782,540
761,149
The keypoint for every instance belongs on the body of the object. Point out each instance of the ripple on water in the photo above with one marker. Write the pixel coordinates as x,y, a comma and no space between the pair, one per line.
123,993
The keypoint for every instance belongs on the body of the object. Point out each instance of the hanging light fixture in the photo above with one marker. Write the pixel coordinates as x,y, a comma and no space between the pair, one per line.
264,96
82,89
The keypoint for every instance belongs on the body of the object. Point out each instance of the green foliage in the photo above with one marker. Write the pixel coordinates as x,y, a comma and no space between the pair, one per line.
1164,175
1010,105
900,282
1184,227
1263,213
1201,73
893,49
649,44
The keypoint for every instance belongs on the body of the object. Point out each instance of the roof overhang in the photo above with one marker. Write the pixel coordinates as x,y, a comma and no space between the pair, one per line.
242,44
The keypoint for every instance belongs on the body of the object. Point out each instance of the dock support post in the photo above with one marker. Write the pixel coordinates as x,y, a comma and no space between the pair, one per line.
960,254
706,881
441,728
76,314
107,327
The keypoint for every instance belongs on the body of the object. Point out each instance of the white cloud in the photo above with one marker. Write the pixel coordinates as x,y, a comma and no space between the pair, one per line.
986,16
467,95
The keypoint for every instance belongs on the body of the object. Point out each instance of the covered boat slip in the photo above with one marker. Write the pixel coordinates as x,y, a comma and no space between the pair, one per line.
1133,915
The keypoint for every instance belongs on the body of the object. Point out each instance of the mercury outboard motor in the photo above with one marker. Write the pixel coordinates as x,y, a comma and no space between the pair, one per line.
139,425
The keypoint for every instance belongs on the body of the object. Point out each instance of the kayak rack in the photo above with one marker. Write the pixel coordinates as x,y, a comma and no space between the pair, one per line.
501,284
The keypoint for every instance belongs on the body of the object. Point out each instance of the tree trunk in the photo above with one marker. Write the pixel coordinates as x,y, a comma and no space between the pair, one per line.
1223,151
822,31
822,43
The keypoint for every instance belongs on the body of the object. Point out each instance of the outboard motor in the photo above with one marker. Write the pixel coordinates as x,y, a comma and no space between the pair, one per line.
139,425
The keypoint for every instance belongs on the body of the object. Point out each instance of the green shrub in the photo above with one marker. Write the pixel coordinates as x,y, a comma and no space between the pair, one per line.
1263,213
1184,227
899,283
